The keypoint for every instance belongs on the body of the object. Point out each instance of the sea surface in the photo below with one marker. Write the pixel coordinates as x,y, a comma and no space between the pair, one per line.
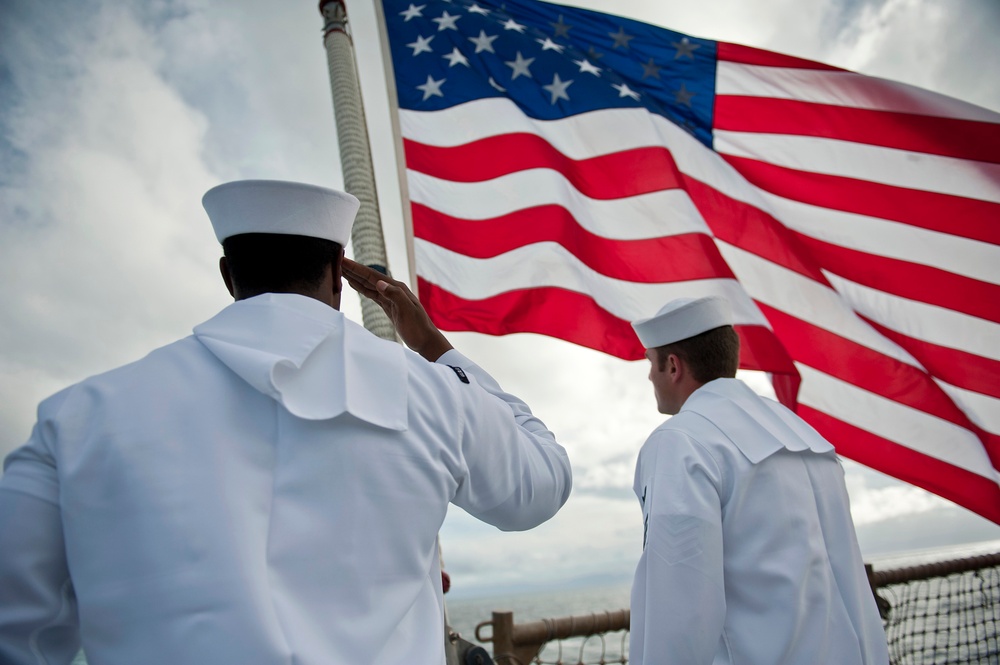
465,614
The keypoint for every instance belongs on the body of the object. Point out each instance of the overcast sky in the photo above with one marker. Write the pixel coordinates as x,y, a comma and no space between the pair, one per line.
116,116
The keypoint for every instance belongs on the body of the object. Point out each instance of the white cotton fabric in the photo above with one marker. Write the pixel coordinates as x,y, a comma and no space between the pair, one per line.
750,555
683,318
275,206
267,491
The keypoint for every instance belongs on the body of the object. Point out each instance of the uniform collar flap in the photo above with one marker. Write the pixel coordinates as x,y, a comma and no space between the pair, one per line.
311,359
758,426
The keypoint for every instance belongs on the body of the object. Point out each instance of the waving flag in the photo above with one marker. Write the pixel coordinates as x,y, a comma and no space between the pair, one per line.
570,171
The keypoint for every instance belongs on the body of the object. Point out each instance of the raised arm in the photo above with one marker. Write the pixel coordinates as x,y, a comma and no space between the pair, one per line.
517,475
402,307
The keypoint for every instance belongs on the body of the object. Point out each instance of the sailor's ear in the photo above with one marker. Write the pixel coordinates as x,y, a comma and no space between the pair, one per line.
338,273
226,276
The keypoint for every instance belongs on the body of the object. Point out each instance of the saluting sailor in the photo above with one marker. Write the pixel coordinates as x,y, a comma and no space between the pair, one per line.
269,489
749,553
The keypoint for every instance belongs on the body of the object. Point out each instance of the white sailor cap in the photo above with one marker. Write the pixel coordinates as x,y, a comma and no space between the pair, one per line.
273,206
683,318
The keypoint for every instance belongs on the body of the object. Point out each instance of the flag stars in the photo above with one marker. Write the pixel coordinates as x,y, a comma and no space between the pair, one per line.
456,58
421,45
625,91
511,24
558,88
586,66
561,29
476,9
621,39
432,88
549,45
683,96
412,12
483,42
650,69
446,21
685,48
520,66
594,55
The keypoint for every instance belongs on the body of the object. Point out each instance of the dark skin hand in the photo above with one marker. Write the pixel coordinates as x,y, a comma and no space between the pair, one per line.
401,306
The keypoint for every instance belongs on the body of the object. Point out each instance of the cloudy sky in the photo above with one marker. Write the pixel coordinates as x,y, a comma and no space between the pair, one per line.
115,117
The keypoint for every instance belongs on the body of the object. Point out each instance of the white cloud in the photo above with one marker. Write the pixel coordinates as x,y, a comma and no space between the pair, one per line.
880,505
591,538
109,256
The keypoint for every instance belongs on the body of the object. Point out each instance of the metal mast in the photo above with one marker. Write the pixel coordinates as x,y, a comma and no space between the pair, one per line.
355,155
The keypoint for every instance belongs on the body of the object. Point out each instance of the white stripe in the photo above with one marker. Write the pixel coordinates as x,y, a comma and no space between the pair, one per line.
983,410
962,256
896,422
652,215
889,166
549,264
806,300
918,320
842,89
578,137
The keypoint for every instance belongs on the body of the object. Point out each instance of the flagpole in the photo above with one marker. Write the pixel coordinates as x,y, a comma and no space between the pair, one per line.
355,155
397,142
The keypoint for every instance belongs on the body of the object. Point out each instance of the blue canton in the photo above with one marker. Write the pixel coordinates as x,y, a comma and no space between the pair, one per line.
550,60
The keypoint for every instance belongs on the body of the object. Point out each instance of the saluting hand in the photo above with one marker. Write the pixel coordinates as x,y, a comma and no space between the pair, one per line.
401,306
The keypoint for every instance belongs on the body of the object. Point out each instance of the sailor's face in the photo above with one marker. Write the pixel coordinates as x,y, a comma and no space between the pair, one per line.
664,387
660,381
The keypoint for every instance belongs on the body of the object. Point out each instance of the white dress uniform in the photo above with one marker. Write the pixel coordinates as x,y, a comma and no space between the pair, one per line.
267,491
750,555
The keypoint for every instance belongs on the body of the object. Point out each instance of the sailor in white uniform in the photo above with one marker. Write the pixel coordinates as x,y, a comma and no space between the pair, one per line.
268,490
749,552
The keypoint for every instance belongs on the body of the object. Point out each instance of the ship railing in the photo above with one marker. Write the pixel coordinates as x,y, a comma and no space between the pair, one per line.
942,612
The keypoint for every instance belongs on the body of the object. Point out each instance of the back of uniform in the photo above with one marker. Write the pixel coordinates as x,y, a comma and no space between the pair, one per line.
750,554
264,498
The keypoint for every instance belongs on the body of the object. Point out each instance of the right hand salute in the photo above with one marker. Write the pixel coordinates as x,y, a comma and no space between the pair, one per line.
403,308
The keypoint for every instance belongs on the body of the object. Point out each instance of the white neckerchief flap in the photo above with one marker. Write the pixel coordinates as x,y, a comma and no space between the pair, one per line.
759,427
310,358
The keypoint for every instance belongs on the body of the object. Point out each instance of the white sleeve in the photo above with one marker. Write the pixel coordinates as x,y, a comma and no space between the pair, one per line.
679,603
38,617
517,476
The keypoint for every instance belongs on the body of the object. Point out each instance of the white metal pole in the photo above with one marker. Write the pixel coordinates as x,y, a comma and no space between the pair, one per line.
355,155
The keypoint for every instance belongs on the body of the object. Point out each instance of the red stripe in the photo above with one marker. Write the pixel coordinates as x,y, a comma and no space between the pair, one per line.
869,370
951,137
959,368
747,227
954,215
555,312
747,55
965,488
576,318
908,280
612,176
760,350
655,260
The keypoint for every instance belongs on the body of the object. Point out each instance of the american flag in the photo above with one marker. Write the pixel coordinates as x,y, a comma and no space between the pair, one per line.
570,171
